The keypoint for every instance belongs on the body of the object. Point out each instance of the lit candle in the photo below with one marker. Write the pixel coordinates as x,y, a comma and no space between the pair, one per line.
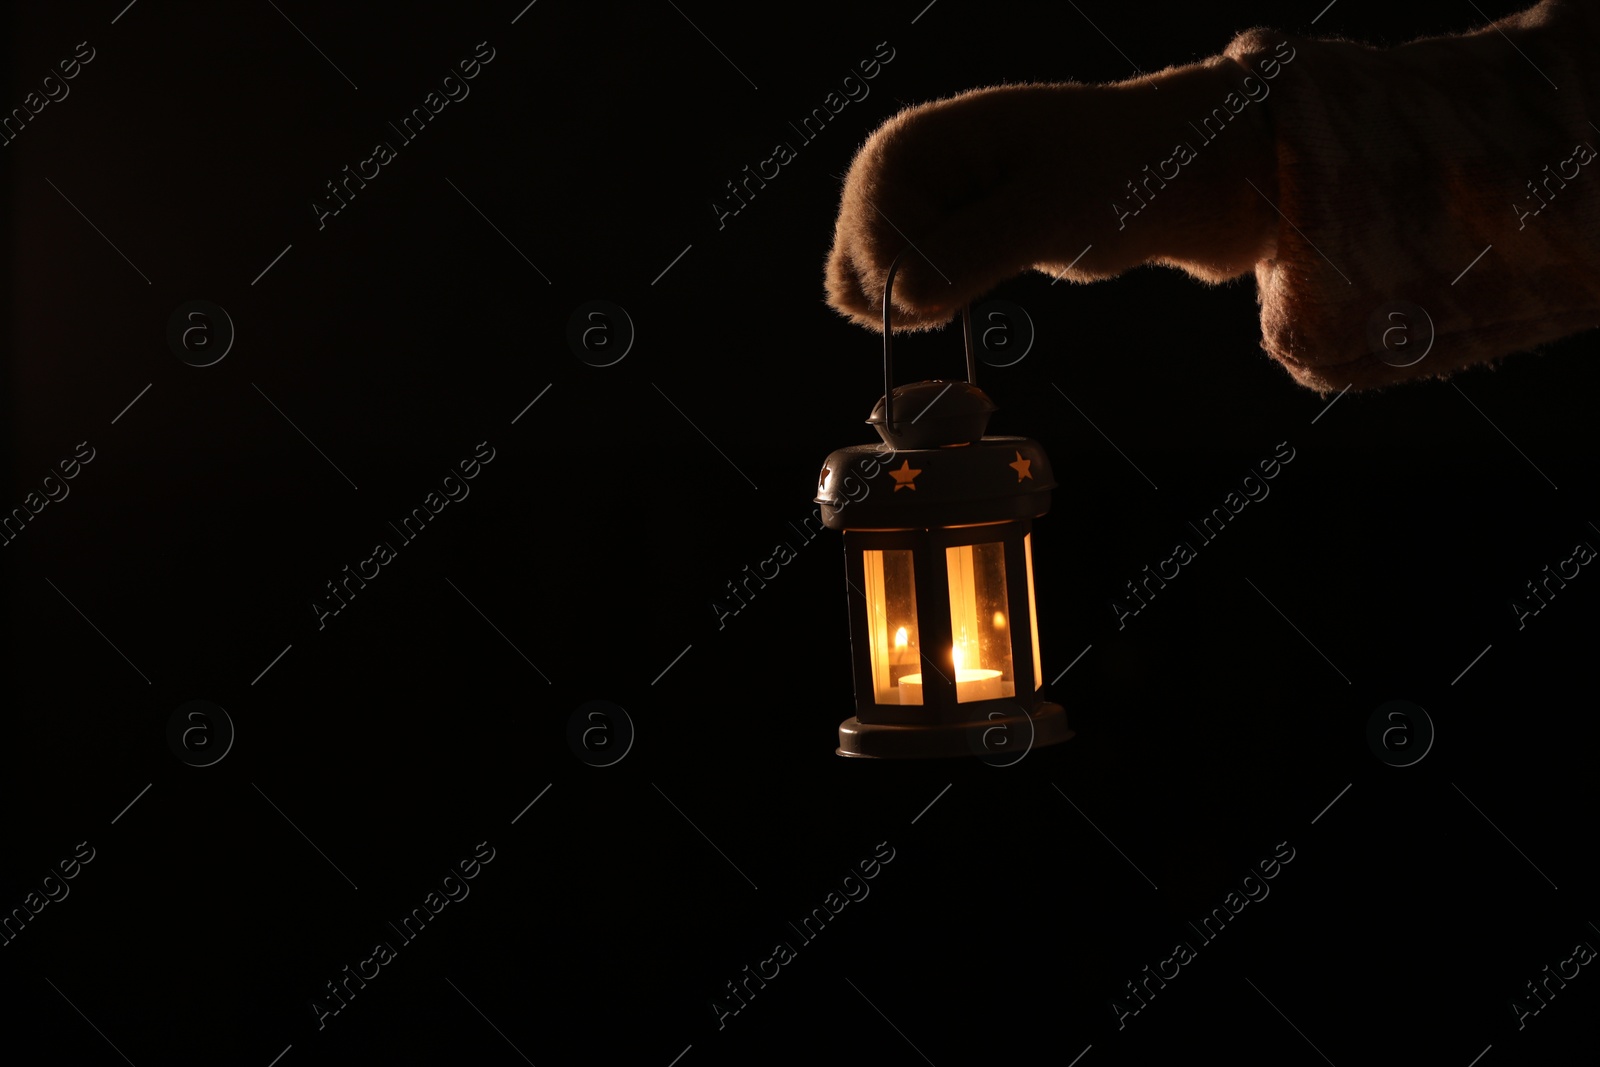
971,683
902,661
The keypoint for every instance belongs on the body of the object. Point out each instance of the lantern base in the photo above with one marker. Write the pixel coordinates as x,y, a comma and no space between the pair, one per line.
997,739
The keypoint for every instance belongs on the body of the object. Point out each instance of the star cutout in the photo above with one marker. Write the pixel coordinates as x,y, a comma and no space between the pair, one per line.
823,477
904,476
1021,467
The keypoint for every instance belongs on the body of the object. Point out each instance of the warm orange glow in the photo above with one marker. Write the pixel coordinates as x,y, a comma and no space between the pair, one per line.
977,583
971,684
891,595
1033,613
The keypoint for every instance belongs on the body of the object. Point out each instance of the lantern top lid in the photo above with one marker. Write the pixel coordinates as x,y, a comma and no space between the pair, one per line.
993,479
945,471
934,414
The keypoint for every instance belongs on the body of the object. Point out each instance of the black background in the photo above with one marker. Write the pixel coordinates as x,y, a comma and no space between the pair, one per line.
414,724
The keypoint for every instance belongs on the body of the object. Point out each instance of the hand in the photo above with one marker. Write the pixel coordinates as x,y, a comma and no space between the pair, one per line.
994,181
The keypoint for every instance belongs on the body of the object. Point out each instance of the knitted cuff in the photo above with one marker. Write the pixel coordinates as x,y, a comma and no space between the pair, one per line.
1439,204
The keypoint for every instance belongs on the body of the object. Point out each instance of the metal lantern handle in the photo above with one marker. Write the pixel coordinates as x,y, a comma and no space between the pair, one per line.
888,340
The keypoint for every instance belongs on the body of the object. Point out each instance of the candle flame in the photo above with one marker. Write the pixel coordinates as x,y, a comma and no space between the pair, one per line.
900,638
999,621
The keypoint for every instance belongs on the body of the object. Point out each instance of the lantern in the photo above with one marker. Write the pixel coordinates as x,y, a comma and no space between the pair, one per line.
937,524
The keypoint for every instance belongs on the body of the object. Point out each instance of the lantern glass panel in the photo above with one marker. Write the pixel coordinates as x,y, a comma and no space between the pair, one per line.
980,622
892,625
1033,614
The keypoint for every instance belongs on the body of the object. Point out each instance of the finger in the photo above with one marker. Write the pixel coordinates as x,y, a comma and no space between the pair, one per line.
977,247
857,270
846,290
845,294
856,291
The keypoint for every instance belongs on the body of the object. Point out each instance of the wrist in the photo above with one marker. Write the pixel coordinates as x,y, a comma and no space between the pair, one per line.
1178,168
1209,181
